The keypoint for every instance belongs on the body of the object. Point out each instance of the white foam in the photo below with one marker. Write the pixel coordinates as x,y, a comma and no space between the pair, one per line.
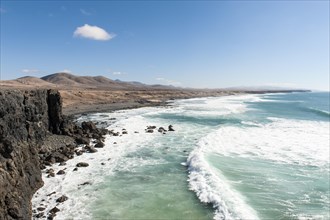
286,141
212,187
213,107
282,141
112,155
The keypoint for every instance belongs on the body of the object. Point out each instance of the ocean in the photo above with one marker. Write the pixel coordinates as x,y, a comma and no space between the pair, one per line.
232,157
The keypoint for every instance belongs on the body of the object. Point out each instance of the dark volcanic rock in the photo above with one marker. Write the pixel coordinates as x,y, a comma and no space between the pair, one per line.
33,134
54,101
170,128
99,144
82,140
60,172
62,199
54,210
24,124
82,164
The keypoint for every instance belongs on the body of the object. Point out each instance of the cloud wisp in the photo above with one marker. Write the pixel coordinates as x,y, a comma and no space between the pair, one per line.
30,71
118,73
93,32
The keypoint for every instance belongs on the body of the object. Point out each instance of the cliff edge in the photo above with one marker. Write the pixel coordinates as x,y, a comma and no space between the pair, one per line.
26,119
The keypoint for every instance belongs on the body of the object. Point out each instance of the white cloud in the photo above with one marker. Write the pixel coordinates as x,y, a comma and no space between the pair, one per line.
118,73
84,12
29,71
92,32
168,81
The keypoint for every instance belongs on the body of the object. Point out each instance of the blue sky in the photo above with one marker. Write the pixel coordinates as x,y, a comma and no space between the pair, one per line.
213,44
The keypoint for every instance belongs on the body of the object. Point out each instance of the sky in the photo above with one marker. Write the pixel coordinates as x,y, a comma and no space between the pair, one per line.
201,44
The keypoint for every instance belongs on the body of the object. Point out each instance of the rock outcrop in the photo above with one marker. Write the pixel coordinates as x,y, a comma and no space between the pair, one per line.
34,134
24,124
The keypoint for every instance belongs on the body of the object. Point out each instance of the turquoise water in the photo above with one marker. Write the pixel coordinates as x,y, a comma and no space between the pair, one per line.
237,157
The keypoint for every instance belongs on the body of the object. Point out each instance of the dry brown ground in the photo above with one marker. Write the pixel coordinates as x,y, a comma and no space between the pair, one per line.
77,100
80,101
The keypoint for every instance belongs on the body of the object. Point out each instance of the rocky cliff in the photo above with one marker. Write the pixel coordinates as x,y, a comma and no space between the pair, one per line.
34,134
26,117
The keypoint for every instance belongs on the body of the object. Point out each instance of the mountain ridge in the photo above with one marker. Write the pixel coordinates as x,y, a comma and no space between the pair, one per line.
62,79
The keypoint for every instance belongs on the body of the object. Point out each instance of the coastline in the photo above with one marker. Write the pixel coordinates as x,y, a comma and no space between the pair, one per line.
91,106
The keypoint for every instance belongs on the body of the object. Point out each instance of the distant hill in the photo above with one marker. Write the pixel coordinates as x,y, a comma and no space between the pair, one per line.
26,81
96,82
66,80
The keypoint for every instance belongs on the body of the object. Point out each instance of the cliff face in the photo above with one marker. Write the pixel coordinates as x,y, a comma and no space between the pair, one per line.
26,118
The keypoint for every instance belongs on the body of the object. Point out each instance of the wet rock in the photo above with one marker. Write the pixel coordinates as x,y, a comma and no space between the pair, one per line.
51,216
41,208
51,175
78,153
39,215
50,170
54,210
60,172
88,126
82,164
150,131
82,140
75,169
85,183
62,199
161,130
99,144
115,134
170,128
102,163
91,149
62,164
51,193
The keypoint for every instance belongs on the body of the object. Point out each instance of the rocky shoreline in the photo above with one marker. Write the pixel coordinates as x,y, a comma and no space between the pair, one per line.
50,200
35,137
34,134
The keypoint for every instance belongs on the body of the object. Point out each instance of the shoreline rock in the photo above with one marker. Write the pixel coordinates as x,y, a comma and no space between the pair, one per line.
34,134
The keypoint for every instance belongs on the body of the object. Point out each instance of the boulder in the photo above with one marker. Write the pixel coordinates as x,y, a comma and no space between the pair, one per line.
99,144
82,164
82,140
54,210
161,130
170,128
60,172
91,149
41,208
62,199
88,126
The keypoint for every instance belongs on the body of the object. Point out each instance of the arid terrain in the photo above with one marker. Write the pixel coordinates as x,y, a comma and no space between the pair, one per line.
90,94
83,94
